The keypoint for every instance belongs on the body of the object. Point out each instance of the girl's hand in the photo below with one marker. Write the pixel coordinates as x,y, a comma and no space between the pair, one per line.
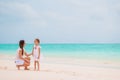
38,57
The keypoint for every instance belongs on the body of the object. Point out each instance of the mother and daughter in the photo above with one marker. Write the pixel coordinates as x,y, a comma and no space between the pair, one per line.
23,59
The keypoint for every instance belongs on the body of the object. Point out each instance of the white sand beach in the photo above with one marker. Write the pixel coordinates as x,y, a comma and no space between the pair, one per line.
61,69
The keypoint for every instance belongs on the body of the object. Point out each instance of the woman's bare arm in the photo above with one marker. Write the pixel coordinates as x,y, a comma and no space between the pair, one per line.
20,55
27,54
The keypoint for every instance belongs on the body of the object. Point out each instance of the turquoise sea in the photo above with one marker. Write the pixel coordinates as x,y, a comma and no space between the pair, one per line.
109,52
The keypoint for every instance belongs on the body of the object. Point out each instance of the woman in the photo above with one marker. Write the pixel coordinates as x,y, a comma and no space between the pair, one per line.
20,60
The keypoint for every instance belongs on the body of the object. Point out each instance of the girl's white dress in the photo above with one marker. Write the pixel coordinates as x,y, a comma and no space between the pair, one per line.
19,61
36,53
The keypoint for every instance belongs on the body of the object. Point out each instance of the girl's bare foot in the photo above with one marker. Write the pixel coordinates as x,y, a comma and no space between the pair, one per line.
38,70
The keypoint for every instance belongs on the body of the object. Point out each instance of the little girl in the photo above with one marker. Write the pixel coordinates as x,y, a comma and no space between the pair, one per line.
36,54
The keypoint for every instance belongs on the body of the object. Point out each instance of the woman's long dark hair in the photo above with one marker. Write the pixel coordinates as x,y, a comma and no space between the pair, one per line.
21,45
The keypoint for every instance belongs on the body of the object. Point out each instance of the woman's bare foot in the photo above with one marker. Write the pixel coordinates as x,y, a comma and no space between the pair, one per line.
18,67
26,69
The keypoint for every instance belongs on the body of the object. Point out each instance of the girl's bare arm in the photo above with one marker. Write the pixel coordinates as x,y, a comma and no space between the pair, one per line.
39,53
32,51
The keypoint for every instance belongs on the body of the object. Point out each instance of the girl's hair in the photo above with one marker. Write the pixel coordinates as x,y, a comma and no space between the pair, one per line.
37,40
21,45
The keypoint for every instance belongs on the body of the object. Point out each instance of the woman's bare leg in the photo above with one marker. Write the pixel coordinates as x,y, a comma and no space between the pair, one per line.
18,67
26,64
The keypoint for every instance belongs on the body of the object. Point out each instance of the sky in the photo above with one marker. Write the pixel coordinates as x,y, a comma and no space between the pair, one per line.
60,21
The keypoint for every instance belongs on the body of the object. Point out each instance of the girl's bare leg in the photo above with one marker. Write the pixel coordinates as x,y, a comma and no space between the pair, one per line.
38,65
34,65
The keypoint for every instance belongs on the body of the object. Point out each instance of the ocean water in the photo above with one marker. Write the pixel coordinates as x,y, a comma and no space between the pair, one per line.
109,52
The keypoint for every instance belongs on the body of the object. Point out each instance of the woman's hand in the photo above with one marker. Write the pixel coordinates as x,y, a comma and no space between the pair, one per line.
27,59
26,54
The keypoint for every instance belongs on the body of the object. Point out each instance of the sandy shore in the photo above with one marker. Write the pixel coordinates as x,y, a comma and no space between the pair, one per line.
62,69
